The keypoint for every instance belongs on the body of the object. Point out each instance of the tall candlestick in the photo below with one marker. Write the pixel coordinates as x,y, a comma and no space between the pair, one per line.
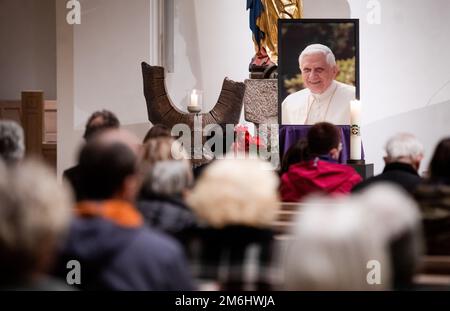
355,130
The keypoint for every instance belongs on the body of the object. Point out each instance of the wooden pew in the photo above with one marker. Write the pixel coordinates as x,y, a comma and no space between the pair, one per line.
38,119
434,272
285,217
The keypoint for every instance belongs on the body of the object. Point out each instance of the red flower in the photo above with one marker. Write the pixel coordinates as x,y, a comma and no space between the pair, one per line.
244,140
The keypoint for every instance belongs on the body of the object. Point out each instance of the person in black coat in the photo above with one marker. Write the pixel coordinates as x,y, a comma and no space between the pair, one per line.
403,156
161,198
433,197
108,236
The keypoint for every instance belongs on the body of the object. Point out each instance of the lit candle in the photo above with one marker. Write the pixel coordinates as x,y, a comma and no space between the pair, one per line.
195,103
194,99
355,130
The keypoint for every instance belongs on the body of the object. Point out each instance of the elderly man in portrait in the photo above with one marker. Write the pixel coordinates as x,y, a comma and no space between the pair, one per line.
323,99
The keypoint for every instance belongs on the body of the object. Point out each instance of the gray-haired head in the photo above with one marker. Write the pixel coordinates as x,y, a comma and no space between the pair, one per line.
316,49
168,178
12,146
335,258
403,147
34,218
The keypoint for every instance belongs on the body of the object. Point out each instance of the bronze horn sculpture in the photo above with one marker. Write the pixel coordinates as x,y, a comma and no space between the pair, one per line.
161,110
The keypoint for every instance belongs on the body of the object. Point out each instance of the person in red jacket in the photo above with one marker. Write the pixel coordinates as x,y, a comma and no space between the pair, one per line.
320,172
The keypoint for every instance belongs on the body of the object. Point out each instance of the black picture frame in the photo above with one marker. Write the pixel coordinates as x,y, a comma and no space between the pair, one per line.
284,46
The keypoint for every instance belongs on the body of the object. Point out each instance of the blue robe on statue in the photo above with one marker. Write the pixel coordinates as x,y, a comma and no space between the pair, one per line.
256,8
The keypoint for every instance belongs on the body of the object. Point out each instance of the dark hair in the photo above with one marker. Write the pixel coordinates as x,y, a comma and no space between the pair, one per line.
404,251
323,137
297,153
98,121
440,162
157,130
104,168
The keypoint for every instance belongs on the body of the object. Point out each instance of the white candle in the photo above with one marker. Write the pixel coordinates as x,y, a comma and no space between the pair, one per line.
194,99
355,130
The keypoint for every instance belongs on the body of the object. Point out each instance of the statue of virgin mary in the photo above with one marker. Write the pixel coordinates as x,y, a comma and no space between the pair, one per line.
264,15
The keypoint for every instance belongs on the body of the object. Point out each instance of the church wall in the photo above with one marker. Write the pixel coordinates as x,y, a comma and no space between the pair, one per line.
405,73
27,48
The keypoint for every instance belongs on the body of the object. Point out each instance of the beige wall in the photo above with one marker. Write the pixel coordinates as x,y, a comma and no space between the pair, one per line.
27,47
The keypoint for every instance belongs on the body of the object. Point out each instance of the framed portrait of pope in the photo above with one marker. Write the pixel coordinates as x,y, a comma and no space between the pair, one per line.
318,72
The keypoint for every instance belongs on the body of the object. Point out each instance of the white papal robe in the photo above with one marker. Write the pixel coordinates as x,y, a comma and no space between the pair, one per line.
305,107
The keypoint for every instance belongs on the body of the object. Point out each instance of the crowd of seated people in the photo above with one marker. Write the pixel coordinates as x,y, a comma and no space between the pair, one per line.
134,217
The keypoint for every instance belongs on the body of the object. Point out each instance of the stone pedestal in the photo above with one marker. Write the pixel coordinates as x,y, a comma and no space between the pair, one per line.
261,101
261,108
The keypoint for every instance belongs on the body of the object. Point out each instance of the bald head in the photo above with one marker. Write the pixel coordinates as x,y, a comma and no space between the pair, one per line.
121,136
108,165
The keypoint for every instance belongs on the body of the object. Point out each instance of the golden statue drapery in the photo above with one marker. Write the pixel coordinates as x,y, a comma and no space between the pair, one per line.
267,23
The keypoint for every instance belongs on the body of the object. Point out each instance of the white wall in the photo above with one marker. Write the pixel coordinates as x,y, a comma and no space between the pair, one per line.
109,45
27,48
212,41
405,71
114,38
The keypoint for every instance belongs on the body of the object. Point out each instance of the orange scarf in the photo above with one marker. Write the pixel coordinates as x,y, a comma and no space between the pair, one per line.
120,212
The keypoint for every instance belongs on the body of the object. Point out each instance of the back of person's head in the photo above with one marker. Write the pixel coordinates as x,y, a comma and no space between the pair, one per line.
121,136
397,218
157,130
12,146
404,147
167,179
322,138
34,216
236,192
297,153
99,121
104,169
162,149
440,162
332,247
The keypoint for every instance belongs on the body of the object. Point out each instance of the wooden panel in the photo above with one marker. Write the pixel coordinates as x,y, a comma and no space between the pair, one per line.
49,154
38,119
11,110
50,124
33,120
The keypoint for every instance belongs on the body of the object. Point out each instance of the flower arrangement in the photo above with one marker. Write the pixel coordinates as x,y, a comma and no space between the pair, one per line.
245,143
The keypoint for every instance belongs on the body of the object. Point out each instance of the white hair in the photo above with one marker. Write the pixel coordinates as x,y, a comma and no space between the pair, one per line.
236,192
391,208
315,49
168,178
12,146
332,247
403,145
34,216
396,216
